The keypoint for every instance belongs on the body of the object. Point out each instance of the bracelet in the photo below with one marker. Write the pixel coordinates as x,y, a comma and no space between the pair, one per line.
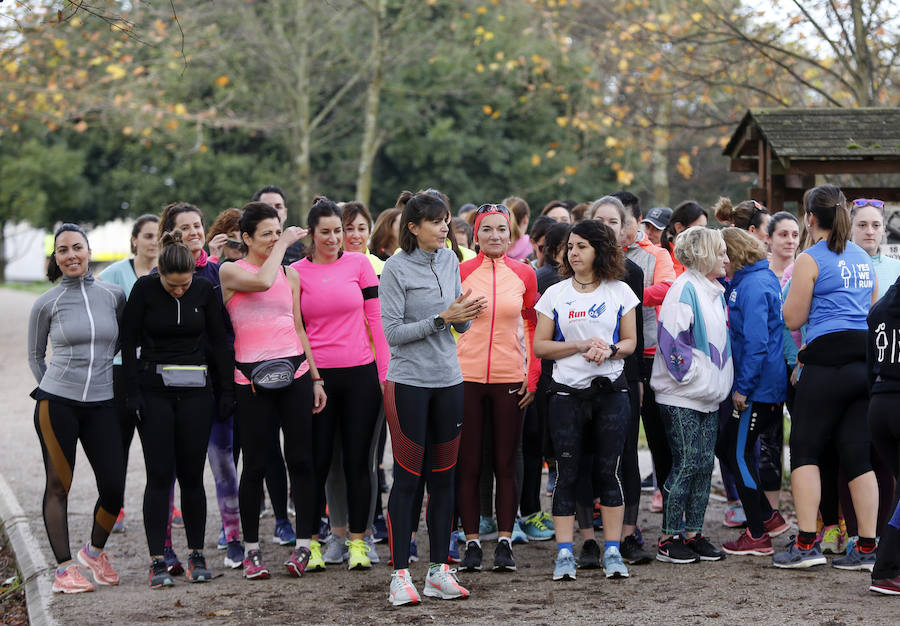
318,381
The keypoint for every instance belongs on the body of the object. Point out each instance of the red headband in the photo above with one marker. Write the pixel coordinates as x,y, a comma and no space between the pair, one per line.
481,216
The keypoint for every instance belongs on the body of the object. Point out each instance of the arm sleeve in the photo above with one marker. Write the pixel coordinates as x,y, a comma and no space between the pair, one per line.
656,293
372,309
38,331
393,303
223,365
755,331
130,335
529,317
676,340
664,270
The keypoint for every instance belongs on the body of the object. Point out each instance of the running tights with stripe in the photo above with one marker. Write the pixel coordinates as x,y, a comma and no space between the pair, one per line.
260,415
884,423
60,424
741,431
354,395
424,422
174,430
497,403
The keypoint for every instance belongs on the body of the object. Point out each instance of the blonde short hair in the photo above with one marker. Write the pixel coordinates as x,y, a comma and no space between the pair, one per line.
698,247
743,248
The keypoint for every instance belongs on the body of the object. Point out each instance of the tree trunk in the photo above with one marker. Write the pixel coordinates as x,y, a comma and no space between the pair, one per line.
3,250
865,66
301,136
370,140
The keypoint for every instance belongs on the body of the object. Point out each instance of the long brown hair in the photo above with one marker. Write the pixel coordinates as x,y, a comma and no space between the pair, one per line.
382,243
828,204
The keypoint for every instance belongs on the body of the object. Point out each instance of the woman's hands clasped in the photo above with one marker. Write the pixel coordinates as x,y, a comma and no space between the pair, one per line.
464,308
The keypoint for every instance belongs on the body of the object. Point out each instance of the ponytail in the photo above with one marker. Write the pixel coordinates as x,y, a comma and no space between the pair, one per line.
828,204
840,232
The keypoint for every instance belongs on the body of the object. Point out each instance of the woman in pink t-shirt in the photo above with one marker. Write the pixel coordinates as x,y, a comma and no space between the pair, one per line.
263,302
340,306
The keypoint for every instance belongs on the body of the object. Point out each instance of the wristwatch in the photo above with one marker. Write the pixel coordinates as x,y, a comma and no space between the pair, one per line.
439,323
613,350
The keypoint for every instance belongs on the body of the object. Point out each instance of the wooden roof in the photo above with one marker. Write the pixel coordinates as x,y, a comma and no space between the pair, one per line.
822,134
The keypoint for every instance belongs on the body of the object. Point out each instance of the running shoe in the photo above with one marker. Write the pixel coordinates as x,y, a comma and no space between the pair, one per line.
518,533
442,583
324,528
379,528
633,553
371,552
358,557
222,541
196,569
551,480
735,517
234,554
316,562
833,541
284,533
536,528
613,565
796,558
71,580
335,550
503,557
656,502
487,529
119,526
453,554
746,545
704,548
100,567
159,575
886,586
675,550
548,520
298,562
639,536
413,551
173,565
590,555
564,568
402,589
856,560
648,484
254,566
471,561
776,525
177,518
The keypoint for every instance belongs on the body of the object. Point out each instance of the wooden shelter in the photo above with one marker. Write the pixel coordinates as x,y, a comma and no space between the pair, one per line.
787,148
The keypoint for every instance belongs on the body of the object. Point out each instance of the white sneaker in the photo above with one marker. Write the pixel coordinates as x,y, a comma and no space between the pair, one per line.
402,589
336,551
442,583
372,553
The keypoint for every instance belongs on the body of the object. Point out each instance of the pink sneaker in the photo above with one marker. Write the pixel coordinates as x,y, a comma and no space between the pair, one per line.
100,567
254,566
71,581
776,525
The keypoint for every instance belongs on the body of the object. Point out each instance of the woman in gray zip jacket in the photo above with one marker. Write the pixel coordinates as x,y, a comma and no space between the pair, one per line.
74,398
421,299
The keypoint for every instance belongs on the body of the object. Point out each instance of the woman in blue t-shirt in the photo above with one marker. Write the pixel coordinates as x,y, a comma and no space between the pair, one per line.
832,288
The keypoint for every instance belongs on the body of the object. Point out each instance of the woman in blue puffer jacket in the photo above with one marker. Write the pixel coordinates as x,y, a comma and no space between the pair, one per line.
755,323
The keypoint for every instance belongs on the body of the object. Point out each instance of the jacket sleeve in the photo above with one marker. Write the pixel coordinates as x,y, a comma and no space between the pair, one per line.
676,340
368,283
130,335
529,317
755,305
393,304
38,332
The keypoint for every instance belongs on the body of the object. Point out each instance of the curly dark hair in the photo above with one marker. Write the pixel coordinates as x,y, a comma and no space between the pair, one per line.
609,259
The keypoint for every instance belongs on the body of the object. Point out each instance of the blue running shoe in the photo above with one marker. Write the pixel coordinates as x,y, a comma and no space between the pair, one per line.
284,533
795,557
536,528
551,480
324,530
379,529
453,555
413,551
613,564
856,560
222,543
548,520
565,565
461,536
518,533
487,529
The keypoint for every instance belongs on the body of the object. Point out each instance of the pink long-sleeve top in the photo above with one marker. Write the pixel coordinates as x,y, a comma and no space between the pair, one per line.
340,307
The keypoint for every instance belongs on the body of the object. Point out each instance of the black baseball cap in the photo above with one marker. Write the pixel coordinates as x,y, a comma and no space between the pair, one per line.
658,217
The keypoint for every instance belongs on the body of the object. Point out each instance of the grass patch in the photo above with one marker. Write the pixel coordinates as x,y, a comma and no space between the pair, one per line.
36,287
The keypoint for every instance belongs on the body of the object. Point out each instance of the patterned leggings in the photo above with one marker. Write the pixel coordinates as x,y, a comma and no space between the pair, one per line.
692,439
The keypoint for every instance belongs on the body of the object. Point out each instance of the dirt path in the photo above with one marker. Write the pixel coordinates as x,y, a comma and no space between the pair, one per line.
738,590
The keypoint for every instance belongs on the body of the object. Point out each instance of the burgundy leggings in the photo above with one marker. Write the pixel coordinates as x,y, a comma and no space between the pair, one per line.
498,402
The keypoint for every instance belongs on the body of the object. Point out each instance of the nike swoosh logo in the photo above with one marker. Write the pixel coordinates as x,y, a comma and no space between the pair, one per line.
458,425
512,391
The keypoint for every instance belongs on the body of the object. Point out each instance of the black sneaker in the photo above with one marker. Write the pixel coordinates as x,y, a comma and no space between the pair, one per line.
648,484
472,560
590,555
674,550
503,557
704,549
159,575
633,553
196,569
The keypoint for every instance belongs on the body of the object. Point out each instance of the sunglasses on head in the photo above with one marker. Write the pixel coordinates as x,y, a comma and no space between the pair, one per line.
861,202
492,208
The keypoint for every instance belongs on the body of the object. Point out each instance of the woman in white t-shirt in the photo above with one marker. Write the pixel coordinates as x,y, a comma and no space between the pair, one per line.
586,323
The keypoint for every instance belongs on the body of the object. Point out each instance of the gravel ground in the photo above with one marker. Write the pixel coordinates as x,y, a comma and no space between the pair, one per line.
735,591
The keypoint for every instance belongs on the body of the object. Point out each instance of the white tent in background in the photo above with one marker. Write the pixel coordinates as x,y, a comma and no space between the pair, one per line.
111,241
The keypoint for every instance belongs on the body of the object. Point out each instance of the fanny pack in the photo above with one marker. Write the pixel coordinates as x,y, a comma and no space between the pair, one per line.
272,373
182,375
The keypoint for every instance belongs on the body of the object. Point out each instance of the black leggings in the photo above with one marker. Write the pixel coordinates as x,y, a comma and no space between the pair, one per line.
276,474
425,424
589,444
533,434
655,428
174,432
354,395
127,419
741,431
831,403
884,423
60,425
261,414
